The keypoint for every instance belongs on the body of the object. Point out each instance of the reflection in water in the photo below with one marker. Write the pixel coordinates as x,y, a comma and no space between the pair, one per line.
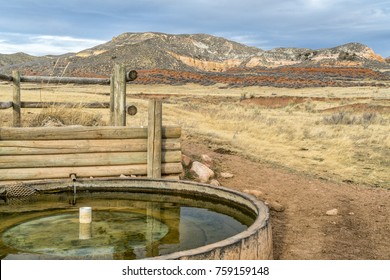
124,226
85,231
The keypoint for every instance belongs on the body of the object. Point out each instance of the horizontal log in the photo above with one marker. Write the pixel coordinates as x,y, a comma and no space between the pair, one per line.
23,174
29,104
82,132
46,147
95,105
6,105
88,159
5,78
65,80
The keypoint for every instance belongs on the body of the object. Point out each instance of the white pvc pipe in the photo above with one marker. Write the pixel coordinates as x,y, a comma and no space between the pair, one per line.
85,215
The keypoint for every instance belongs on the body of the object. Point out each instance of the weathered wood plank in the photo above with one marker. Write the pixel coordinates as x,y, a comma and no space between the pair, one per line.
119,95
5,78
95,105
154,138
6,105
16,116
87,159
82,132
23,174
65,80
112,101
29,104
46,147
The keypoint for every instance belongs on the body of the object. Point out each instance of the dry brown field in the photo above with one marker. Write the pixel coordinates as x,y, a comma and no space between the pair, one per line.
309,149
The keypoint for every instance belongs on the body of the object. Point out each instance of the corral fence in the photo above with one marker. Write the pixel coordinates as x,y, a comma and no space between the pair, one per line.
35,153
117,103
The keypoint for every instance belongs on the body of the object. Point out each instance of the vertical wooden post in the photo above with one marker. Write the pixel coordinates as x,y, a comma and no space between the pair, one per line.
119,95
112,100
16,117
154,139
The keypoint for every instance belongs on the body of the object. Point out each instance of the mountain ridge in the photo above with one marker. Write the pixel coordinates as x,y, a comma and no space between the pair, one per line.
187,52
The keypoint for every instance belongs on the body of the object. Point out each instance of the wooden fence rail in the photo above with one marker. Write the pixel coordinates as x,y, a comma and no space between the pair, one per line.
58,80
31,104
117,103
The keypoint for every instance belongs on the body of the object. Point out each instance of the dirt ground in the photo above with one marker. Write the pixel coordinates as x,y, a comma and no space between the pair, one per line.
303,231
361,230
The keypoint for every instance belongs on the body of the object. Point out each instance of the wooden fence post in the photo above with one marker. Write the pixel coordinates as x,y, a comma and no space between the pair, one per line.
16,117
112,101
119,82
154,139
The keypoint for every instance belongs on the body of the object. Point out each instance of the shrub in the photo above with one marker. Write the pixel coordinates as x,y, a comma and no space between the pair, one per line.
369,117
345,118
339,118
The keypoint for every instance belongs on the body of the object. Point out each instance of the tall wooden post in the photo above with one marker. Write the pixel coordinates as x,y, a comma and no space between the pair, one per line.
154,139
119,95
112,105
16,121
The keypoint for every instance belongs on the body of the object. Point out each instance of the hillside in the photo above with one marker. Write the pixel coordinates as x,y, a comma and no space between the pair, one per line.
198,54
175,52
16,58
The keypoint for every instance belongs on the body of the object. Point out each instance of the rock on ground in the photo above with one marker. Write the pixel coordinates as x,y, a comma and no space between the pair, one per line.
258,194
226,175
215,182
332,212
186,160
207,160
202,172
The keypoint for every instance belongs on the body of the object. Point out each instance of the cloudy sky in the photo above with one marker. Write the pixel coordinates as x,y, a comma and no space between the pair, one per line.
40,27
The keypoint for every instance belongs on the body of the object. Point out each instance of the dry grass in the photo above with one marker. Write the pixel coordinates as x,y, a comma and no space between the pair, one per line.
62,116
300,141
343,146
56,115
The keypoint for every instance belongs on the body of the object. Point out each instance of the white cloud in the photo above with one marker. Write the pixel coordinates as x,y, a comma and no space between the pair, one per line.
43,44
263,23
248,39
318,4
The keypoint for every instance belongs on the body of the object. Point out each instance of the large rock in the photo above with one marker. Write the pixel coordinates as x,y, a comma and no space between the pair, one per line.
207,160
186,160
201,171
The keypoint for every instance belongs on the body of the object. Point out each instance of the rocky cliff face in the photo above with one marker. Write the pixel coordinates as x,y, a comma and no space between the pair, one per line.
352,54
177,52
197,52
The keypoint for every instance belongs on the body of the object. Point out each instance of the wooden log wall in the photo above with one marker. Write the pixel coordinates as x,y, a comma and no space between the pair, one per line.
56,152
